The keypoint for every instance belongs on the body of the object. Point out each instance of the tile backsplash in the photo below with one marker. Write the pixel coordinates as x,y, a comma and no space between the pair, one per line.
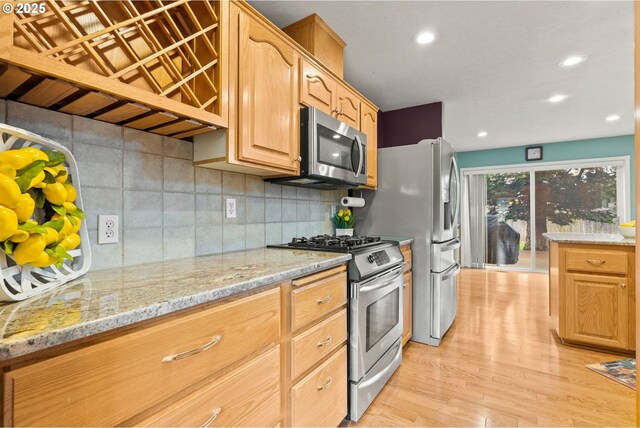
168,208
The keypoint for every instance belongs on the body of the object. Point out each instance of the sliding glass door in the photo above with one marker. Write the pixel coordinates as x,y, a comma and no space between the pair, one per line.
573,200
521,203
507,214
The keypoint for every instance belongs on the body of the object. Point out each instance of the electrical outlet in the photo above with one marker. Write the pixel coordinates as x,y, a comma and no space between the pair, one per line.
107,229
334,209
231,208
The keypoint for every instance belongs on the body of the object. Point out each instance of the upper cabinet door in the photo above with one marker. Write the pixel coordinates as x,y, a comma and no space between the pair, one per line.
348,105
369,126
268,107
318,89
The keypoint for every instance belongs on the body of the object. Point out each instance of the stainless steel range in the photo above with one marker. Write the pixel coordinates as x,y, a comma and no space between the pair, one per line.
375,276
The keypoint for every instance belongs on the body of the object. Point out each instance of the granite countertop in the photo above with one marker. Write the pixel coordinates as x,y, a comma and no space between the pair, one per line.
403,240
589,238
107,299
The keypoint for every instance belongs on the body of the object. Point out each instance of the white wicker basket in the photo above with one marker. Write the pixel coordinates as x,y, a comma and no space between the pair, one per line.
21,282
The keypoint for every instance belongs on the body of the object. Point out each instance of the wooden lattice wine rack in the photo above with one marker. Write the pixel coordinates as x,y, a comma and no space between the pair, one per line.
155,65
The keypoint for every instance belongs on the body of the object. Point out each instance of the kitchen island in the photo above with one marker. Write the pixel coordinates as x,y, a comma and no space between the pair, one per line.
592,289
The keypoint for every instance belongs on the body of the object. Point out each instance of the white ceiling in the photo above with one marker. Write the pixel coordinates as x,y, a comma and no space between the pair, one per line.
493,65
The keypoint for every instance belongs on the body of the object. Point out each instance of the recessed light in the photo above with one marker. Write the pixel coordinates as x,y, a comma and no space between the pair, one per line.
425,38
572,60
482,134
336,136
612,118
557,98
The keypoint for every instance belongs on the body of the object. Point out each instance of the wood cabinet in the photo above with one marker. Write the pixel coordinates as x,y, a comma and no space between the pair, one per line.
320,398
108,383
318,89
407,311
592,292
369,126
274,357
315,386
263,137
248,396
157,67
347,106
267,101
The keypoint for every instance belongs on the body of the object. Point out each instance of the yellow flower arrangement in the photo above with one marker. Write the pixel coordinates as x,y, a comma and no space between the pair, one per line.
344,219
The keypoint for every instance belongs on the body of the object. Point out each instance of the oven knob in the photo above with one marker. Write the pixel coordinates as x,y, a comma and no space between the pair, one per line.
371,259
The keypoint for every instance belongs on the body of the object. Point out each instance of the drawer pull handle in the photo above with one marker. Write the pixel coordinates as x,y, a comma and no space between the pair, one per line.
326,385
187,354
325,300
623,285
596,262
214,414
326,342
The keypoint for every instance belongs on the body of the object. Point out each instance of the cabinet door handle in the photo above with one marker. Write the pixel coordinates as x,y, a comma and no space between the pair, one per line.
326,342
191,353
325,300
298,159
214,414
623,285
326,385
596,262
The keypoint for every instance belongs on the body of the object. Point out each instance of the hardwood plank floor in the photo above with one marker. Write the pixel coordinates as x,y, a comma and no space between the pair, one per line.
501,365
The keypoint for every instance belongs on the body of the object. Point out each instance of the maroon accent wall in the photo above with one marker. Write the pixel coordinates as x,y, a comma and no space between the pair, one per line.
409,125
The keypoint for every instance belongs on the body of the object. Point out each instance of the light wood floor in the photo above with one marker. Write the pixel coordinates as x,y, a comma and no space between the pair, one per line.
500,365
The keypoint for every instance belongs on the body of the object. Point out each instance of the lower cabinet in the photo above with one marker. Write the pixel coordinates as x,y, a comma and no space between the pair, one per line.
276,357
248,396
597,310
317,353
407,313
108,383
592,294
320,398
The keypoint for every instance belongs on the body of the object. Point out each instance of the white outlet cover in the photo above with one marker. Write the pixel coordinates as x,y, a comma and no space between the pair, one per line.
108,229
232,208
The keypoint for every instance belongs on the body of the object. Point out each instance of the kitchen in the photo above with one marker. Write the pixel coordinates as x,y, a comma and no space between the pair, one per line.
186,145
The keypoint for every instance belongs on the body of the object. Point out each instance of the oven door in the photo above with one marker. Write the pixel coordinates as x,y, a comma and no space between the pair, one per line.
375,319
336,150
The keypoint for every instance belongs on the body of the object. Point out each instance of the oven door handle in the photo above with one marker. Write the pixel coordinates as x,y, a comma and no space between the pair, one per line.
384,284
378,376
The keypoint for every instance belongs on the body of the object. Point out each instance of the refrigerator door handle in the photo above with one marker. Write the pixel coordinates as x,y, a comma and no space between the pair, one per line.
452,246
456,219
454,271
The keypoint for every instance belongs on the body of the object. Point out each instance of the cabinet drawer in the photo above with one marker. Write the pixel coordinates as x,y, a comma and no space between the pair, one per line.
320,399
319,341
407,254
596,261
313,301
248,396
110,382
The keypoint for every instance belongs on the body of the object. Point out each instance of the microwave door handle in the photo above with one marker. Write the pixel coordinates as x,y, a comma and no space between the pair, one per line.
353,144
357,140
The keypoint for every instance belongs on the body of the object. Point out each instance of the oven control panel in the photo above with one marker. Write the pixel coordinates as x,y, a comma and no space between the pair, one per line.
379,258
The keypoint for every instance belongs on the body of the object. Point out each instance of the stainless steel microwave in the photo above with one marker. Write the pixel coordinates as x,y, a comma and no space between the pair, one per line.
333,155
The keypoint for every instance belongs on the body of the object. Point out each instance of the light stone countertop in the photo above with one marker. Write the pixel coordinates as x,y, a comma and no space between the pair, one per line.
108,299
589,238
402,240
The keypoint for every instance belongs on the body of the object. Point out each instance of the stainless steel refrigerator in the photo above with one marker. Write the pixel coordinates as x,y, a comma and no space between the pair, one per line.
419,196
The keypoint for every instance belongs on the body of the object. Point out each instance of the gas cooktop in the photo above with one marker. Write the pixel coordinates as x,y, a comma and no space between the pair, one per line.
341,244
